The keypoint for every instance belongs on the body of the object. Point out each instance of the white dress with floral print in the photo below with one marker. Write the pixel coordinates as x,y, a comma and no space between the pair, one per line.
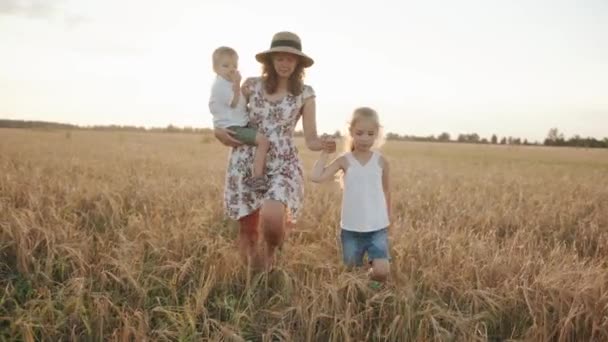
276,120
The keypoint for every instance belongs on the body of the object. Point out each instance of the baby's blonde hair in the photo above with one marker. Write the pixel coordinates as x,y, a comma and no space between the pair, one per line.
222,51
363,113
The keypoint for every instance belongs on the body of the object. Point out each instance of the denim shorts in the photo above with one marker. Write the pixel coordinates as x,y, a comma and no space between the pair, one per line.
356,244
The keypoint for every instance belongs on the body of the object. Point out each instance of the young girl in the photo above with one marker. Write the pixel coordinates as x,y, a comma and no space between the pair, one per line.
366,198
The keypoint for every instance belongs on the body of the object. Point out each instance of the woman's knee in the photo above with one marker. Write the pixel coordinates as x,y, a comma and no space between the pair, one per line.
249,226
273,221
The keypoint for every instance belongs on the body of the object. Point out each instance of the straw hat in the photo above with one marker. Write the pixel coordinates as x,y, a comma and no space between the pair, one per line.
286,42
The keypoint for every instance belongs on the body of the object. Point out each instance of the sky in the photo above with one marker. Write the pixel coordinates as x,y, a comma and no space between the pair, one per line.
513,68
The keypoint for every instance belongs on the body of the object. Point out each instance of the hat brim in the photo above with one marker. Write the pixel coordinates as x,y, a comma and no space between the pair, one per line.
306,61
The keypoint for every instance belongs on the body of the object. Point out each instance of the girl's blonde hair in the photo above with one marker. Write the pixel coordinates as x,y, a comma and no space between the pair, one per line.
363,113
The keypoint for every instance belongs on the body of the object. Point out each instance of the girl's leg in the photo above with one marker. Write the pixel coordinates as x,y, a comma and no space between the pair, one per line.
248,239
352,251
378,253
380,269
273,228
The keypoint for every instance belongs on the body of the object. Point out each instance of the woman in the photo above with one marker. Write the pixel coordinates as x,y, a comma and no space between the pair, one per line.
276,101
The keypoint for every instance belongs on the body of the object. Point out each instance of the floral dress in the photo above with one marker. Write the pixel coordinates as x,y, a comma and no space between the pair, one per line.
276,120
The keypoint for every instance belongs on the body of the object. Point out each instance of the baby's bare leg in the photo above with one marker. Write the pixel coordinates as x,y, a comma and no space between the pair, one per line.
259,158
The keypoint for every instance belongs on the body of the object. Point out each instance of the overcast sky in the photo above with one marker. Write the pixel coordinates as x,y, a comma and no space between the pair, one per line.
507,67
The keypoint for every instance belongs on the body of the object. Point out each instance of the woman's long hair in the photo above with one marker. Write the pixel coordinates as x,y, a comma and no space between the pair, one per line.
295,84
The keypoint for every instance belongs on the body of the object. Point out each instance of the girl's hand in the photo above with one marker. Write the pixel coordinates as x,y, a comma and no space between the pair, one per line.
224,136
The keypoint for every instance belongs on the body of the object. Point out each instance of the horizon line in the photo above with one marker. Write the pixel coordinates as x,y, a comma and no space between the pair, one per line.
436,135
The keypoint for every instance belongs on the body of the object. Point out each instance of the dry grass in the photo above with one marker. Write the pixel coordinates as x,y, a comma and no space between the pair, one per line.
120,236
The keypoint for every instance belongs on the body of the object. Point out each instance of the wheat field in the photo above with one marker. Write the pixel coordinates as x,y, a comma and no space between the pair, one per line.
111,236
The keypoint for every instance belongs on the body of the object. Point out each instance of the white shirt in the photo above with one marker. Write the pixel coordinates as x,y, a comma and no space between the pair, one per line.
363,201
219,104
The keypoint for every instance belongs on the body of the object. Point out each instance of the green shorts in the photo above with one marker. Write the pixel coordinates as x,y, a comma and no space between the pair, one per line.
246,135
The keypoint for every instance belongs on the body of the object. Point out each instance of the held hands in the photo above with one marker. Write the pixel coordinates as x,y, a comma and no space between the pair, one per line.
328,143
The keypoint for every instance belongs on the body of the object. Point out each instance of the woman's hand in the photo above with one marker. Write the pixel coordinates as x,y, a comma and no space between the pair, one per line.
223,135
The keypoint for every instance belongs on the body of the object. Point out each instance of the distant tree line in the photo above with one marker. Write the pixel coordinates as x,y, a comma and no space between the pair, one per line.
554,137
4,123
472,138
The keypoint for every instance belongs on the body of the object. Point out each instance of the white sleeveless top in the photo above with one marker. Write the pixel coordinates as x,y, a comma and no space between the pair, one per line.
363,202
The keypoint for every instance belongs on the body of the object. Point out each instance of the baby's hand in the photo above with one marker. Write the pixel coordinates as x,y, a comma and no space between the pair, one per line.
235,77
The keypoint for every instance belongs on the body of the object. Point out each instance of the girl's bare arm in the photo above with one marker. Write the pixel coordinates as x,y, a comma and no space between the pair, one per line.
386,184
321,173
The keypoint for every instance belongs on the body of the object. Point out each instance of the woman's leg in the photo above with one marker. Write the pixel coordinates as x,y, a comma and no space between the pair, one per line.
273,228
248,239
